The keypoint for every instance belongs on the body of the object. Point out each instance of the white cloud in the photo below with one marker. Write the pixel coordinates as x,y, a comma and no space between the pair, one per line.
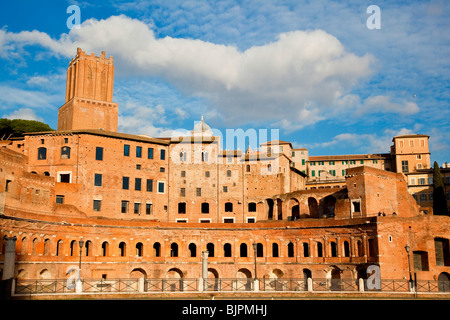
301,73
24,113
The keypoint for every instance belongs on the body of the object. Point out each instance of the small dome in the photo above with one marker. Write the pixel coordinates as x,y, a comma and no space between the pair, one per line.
201,128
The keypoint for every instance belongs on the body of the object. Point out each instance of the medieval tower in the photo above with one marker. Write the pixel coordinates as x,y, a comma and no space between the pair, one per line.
89,93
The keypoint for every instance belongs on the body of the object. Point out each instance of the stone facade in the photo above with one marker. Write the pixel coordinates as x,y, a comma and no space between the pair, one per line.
148,207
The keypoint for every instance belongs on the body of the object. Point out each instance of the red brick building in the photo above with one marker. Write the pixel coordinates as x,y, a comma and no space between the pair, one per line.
148,207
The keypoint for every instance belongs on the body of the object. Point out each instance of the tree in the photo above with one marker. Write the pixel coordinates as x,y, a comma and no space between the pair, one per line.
17,127
439,199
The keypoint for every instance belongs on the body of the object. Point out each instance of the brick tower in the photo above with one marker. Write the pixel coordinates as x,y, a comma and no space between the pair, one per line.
89,93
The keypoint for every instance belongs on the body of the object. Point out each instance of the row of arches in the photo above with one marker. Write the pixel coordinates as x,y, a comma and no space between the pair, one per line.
333,247
291,209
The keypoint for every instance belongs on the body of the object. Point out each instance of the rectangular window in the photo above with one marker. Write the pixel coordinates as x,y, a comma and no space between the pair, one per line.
126,150
138,152
98,180
207,174
137,184
42,153
374,161
333,172
343,172
303,162
183,174
331,163
149,185
423,197
160,187
99,153
225,189
405,166
313,173
162,169
125,183
421,181
59,199
137,208
148,208
163,154
312,163
181,208
344,161
150,153
199,192
362,161
352,162
97,205
124,206
182,192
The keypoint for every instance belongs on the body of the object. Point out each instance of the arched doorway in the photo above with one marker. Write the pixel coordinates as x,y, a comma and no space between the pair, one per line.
136,274
243,280
329,203
174,281
313,207
336,284
275,283
294,206
213,279
444,282
306,274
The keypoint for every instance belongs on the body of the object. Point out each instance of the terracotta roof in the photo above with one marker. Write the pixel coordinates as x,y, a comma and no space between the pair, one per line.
103,133
350,157
411,136
276,142
227,153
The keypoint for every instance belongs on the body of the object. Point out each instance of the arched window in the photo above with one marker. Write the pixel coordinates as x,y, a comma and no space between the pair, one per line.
275,252
346,249
227,250
193,249
228,173
139,249
105,249
243,250
88,248
205,207
73,245
204,156
269,167
248,168
65,152
319,249
174,250
306,249
333,249
359,248
46,247
35,244
42,153
228,207
210,248
182,156
59,247
156,249
290,248
123,249
259,250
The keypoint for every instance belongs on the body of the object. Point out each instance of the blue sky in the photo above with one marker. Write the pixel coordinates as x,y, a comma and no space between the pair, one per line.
312,69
